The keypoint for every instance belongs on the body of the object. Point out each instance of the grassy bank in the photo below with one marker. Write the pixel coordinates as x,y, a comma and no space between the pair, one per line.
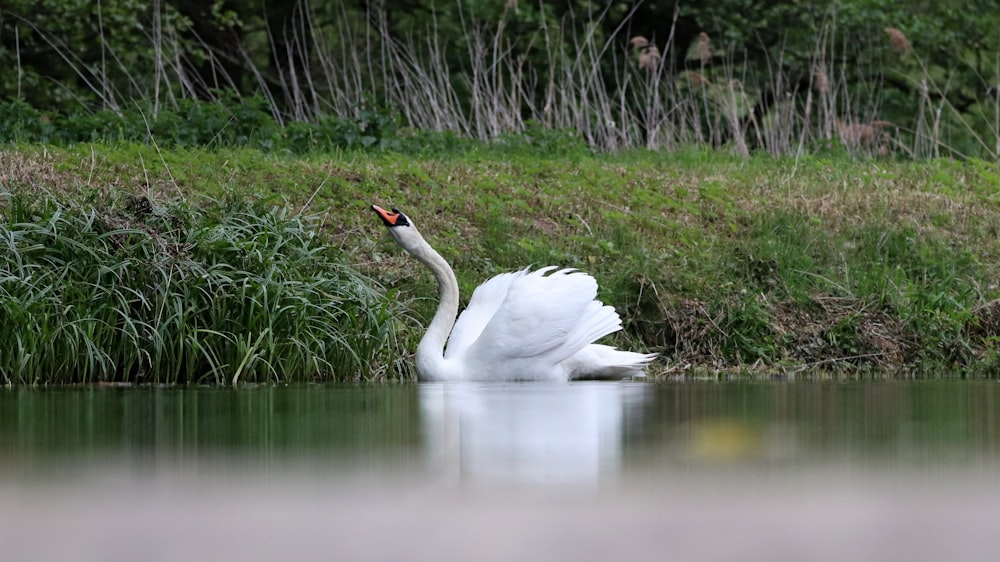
722,264
135,289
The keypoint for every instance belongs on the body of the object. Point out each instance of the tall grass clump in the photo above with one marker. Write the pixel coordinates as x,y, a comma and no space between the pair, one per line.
224,292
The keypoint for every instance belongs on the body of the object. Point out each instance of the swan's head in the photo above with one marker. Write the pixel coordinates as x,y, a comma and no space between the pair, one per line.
400,227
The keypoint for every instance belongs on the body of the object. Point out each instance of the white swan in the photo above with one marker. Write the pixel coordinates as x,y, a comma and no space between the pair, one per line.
526,325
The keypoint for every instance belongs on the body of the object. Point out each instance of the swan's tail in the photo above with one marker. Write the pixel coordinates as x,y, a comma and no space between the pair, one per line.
597,361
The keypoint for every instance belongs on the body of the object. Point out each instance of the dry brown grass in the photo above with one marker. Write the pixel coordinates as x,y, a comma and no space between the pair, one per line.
649,54
870,138
704,48
806,337
65,174
33,170
639,42
986,321
696,78
898,40
649,59
820,81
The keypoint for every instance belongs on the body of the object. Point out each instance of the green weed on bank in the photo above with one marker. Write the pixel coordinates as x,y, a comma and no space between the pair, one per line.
226,291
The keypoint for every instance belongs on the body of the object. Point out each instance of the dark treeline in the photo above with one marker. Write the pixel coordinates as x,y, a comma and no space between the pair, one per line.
916,78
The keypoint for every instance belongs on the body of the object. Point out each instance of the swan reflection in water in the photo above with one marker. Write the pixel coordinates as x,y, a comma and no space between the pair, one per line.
530,433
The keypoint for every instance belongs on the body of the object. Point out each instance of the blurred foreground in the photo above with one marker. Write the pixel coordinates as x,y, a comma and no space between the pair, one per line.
834,517
599,471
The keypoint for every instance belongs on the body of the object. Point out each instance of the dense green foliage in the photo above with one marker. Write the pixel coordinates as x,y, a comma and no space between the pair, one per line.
171,292
194,123
916,79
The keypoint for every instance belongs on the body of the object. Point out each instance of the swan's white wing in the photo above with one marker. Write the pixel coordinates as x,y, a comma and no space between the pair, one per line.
544,317
485,301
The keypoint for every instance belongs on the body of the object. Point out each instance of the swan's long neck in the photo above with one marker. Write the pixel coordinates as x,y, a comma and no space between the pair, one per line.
430,353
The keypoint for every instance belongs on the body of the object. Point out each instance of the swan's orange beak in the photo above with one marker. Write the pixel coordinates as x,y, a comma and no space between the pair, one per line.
390,218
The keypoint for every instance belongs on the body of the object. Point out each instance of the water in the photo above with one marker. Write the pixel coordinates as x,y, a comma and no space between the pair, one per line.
585,471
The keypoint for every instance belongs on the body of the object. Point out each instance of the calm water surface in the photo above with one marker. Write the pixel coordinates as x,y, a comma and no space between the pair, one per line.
585,471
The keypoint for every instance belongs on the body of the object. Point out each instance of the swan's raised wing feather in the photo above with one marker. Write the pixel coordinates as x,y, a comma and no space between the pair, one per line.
485,301
549,317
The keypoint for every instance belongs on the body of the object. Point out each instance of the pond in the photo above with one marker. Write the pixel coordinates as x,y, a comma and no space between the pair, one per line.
581,471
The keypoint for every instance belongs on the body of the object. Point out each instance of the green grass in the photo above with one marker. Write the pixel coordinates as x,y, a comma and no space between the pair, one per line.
747,267
224,291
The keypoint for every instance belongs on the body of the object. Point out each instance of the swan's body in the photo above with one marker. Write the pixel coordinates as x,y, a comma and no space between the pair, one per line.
526,325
